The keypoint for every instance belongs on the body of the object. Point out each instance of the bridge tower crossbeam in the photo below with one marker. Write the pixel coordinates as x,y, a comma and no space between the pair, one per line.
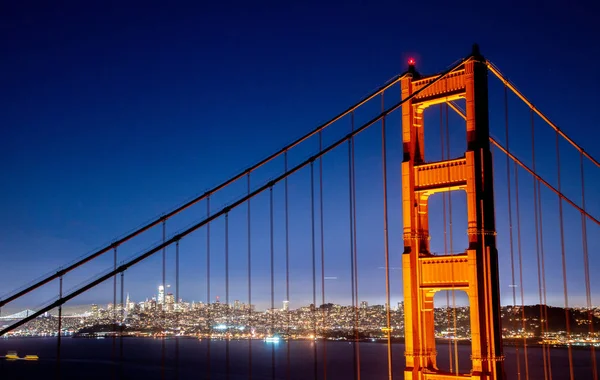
476,270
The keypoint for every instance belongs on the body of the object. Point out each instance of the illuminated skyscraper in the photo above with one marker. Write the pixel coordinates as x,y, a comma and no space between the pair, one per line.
364,304
161,294
286,305
236,305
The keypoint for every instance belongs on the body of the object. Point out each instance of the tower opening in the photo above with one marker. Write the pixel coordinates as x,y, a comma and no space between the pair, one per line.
452,323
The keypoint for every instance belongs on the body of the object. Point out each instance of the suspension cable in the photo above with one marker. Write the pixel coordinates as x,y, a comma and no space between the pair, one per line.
227,304
249,282
215,189
386,245
272,258
162,302
537,224
510,226
208,303
450,227
324,311
520,255
287,268
114,306
564,263
543,262
531,171
351,236
541,180
178,310
352,218
444,213
586,268
508,84
122,322
233,205
58,337
313,249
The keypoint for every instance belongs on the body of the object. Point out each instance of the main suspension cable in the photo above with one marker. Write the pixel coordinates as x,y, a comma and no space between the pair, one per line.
233,205
214,190
508,84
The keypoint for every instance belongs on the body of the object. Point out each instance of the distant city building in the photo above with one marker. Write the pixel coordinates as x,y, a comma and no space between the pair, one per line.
364,304
236,305
170,299
286,305
161,294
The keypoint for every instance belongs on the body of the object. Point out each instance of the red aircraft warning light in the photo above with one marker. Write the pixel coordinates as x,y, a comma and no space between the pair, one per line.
411,61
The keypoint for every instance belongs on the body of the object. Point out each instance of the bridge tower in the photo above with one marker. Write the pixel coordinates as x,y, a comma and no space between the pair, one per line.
476,270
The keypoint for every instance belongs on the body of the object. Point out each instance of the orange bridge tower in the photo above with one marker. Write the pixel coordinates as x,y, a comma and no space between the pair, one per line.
476,270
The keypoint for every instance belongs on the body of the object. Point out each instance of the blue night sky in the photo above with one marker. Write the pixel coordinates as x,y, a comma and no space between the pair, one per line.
115,113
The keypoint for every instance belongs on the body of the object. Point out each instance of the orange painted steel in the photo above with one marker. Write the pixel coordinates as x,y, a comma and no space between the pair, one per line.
476,270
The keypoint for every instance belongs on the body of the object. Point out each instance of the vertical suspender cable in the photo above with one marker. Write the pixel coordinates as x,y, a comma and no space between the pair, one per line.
543,260
351,235
58,337
287,268
586,268
227,305
355,260
564,264
178,306
538,248
208,303
444,194
162,302
114,306
272,280
451,234
520,255
510,227
386,243
314,306
122,322
324,311
249,285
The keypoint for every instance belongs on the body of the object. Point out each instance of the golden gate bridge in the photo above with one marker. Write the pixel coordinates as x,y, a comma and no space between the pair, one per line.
465,90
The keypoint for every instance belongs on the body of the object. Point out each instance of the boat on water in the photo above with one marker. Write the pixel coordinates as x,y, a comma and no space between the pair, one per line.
12,355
